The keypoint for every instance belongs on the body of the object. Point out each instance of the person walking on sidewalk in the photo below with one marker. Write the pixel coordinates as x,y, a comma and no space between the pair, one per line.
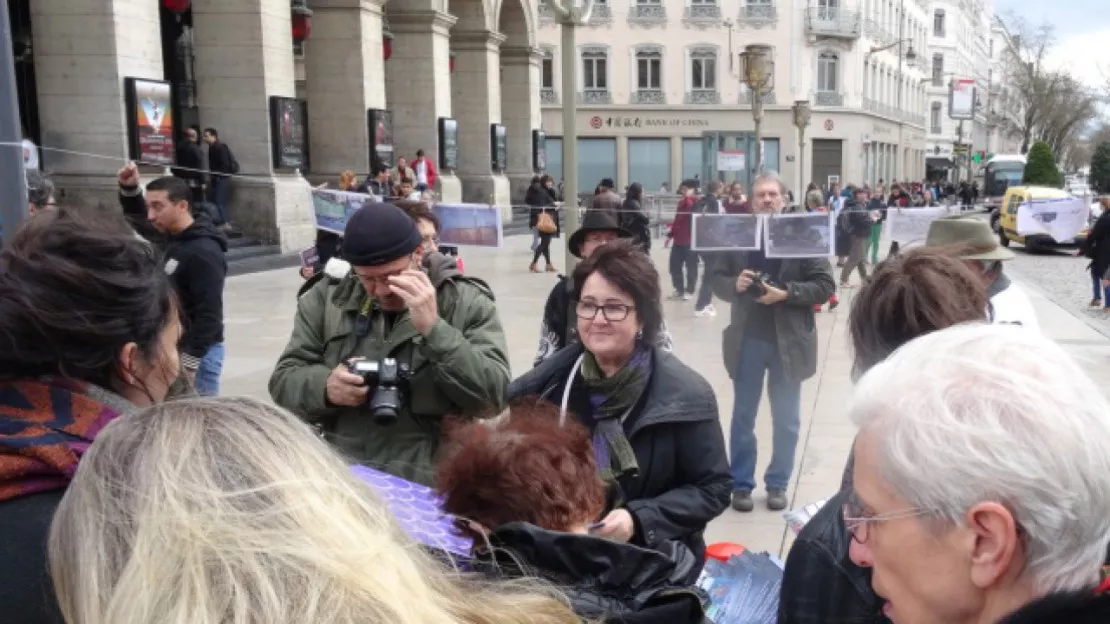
771,334
683,262
196,265
709,204
543,219
221,165
858,224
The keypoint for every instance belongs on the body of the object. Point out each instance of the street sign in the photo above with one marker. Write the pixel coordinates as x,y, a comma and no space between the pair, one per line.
961,149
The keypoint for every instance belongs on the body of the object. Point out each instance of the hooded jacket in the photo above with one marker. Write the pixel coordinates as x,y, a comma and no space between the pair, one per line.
622,583
460,367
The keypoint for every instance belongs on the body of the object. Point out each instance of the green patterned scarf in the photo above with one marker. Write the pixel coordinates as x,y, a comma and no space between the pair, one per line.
612,398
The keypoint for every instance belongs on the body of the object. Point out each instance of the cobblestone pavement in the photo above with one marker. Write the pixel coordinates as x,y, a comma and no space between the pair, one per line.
1064,279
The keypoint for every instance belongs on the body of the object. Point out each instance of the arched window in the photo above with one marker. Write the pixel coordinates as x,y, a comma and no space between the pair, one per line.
828,72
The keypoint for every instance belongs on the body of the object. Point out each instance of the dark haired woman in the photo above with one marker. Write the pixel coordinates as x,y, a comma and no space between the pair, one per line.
88,330
529,489
653,420
543,218
633,218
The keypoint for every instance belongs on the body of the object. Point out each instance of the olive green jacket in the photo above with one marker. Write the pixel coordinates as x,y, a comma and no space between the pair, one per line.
460,367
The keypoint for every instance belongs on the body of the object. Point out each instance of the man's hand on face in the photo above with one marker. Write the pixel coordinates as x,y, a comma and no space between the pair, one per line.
416,290
344,388
128,177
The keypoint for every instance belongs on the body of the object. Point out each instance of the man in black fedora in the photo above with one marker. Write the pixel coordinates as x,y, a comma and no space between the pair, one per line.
558,327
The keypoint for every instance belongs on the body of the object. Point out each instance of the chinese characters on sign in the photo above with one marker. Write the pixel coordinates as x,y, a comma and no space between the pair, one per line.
598,123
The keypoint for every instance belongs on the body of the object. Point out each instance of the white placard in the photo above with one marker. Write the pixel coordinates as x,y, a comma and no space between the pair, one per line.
1061,219
806,235
961,99
726,232
907,226
731,160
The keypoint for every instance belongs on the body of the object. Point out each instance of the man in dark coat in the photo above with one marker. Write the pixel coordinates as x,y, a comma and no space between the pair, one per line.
190,164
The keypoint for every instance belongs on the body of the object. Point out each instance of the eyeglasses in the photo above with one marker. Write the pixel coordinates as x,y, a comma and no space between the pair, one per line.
372,280
858,523
613,312
431,239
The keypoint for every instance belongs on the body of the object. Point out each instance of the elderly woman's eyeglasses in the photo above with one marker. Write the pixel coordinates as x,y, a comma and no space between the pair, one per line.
858,522
613,312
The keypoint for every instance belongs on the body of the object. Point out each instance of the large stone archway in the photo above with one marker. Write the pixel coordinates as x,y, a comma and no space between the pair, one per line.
520,93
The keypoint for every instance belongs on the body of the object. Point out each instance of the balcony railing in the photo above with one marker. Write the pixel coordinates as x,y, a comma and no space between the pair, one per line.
595,96
647,14
768,98
548,95
759,15
601,14
832,22
649,96
702,15
829,98
703,96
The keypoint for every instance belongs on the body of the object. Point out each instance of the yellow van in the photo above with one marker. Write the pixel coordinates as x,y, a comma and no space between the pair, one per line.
1007,218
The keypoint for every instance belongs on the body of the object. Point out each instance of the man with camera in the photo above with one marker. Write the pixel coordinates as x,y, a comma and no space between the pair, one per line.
379,356
772,333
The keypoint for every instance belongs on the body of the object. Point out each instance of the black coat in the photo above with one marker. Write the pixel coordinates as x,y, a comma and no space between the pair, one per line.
541,200
636,223
26,593
675,433
191,157
622,583
1070,608
1097,245
219,158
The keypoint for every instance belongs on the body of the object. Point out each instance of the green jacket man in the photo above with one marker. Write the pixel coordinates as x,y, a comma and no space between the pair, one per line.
393,303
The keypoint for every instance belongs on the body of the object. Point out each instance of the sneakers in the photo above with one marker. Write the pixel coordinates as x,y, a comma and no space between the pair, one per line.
742,501
677,295
687,296
707,311
776,500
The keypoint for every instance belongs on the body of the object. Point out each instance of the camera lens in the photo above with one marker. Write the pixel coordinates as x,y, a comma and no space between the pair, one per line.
385,405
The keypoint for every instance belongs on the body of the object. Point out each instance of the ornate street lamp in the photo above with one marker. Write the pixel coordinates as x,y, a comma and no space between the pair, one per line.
758,65
302,21
802,114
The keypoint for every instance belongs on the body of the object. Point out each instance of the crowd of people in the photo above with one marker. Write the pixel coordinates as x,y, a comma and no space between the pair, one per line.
584,484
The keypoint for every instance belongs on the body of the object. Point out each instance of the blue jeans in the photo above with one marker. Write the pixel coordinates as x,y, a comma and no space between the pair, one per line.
220,189
207,382
1102,293
756,358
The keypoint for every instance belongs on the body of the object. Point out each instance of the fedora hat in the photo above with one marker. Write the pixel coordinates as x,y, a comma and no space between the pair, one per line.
594,221
967,231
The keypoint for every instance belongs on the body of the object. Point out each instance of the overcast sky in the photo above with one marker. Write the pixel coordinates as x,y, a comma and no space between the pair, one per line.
1082,33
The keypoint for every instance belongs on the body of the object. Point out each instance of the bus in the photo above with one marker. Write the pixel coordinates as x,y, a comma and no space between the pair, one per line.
1001,171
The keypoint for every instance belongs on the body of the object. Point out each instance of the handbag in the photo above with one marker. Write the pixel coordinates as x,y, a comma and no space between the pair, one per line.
545,224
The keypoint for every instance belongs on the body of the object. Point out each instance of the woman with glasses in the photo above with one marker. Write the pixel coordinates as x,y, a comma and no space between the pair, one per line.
653,420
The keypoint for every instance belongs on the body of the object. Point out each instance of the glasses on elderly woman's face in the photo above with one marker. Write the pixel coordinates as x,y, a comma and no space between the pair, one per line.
857,520
611,310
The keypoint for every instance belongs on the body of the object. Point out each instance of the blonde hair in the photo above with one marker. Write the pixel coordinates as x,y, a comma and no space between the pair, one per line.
231,511
346,179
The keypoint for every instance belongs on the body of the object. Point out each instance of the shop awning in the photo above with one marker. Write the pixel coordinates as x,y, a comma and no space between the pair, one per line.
938,162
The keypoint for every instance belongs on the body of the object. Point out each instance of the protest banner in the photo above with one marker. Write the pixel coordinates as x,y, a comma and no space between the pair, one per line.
907,226
726,232
1061,219
332,209
469,225
805,235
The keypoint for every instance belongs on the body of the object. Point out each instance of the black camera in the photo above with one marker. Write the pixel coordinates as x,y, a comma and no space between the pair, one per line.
386,378
760,281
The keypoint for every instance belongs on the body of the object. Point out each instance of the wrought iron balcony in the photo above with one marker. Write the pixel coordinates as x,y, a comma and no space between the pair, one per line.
647,15
595,96
601,15
768,98
703,96
759,15
832,22
702,15
649,96
548,96
829,98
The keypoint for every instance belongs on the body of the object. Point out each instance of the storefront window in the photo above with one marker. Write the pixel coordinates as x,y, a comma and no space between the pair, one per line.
649,162
691,159
597,159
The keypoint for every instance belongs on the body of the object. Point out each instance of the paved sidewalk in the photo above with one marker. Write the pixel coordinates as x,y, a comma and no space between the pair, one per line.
260,309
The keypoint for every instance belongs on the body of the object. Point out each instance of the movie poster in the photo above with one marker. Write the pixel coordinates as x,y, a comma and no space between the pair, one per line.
289,129
380,125
448,144
150,121
539,150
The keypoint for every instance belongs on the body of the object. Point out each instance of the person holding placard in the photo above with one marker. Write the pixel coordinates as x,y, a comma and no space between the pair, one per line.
771,334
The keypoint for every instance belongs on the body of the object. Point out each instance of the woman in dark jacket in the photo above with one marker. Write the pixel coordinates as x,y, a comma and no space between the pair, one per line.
633,218
654,421
88,331
529,489
1097,248
541,198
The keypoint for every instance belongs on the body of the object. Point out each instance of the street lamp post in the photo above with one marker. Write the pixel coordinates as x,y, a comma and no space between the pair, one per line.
13,196
802,114
571,15
758,66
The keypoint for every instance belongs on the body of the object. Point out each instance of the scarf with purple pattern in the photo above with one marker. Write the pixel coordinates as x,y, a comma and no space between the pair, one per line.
611,399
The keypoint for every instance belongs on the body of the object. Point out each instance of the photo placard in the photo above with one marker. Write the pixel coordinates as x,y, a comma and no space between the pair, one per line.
1062,219
907,226
150,121
807,235
332,209
469,225
726,232
289,133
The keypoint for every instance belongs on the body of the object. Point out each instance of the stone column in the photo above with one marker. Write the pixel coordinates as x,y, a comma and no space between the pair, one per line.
344,77
244,55
82,53
418,80
476,96
520,112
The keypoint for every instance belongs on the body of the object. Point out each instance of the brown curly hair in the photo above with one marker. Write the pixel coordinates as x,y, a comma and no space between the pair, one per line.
521,467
